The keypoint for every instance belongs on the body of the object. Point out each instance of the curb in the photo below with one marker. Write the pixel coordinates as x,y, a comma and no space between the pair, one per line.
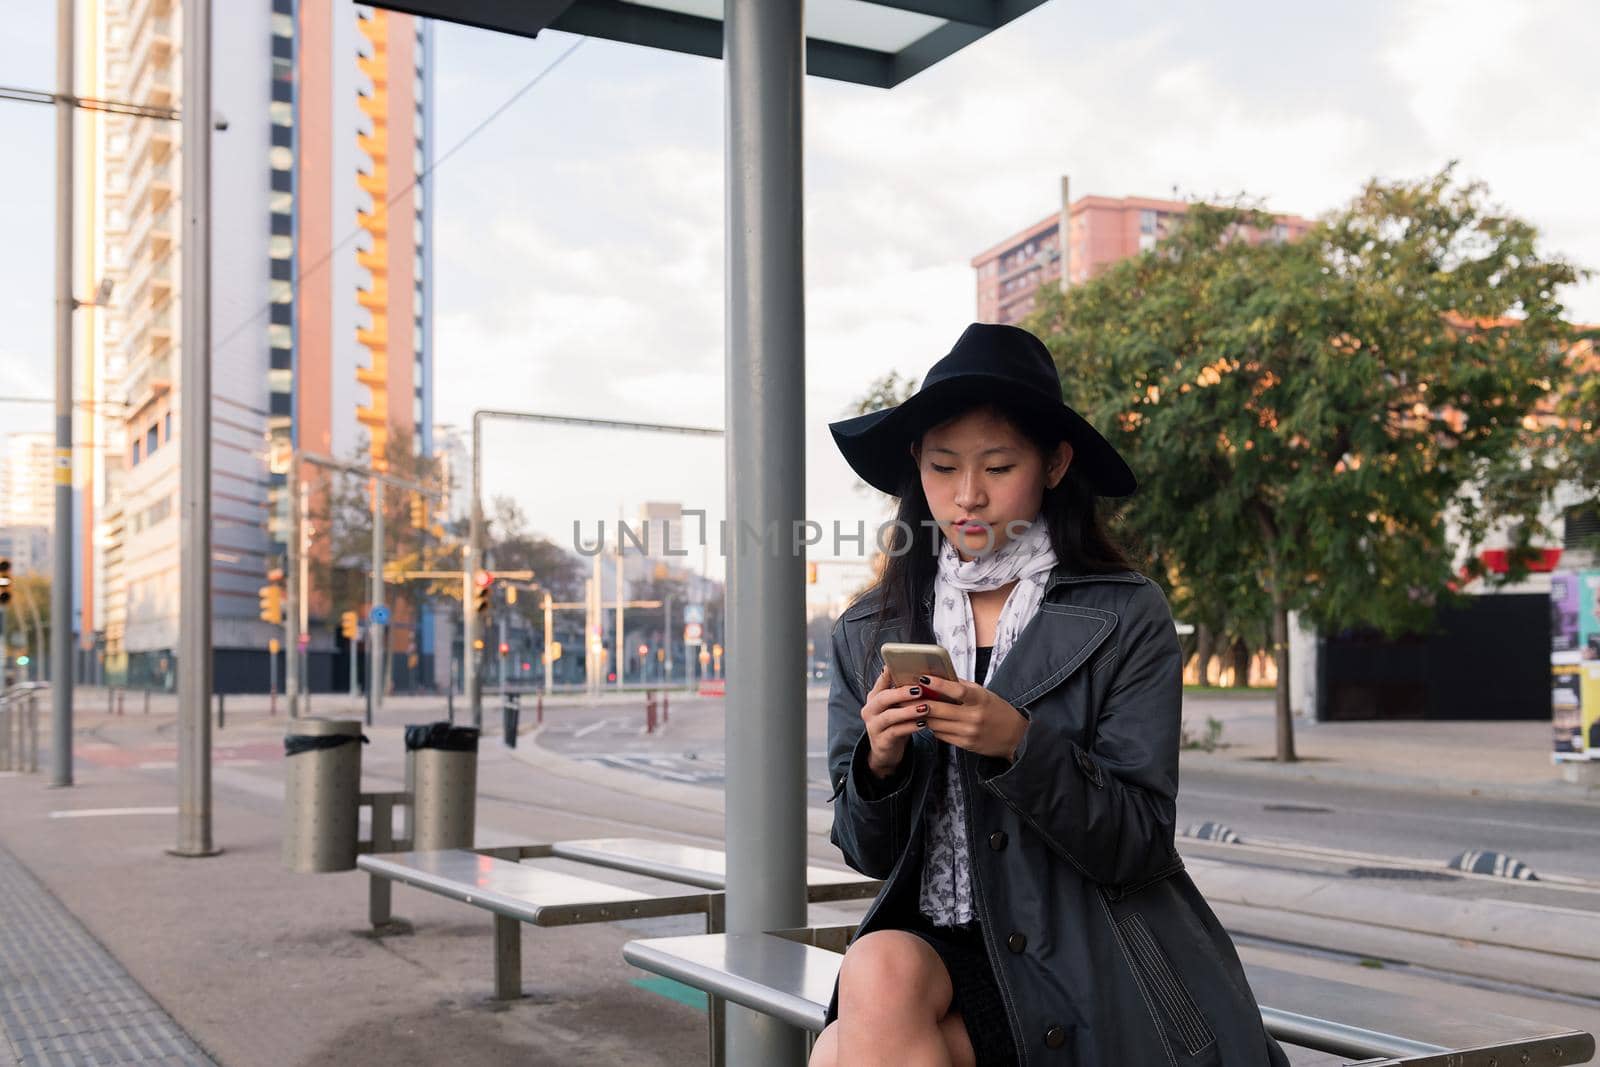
819,821
1555,792
1486,921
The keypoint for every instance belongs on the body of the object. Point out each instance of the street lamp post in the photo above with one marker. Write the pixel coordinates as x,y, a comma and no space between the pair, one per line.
61,563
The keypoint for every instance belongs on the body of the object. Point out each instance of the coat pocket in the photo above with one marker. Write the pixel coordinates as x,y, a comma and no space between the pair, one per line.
1162,985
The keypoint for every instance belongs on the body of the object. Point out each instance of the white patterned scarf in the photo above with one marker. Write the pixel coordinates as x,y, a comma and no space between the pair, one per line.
946,892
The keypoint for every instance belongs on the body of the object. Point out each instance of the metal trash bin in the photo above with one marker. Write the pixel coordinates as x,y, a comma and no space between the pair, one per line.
322,794
510,712
444,785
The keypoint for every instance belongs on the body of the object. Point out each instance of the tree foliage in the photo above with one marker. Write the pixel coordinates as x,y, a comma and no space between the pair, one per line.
1320,425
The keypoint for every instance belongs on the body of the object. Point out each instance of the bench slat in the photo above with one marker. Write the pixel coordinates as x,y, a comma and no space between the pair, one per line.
793,981
529,894
785,979
704,867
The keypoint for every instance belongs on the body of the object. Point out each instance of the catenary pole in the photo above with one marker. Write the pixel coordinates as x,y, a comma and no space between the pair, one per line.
194,442
61,642
764,50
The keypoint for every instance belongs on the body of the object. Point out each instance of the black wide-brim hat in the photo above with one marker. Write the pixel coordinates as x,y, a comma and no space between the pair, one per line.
990,362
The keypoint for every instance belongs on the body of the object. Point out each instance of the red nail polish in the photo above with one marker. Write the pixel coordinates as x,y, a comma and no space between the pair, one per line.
922,709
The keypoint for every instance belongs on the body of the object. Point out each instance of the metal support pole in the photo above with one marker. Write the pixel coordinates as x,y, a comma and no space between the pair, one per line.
375,668
764,48
622,654
194,438
549,640
303,608
292,593
472,562
61,562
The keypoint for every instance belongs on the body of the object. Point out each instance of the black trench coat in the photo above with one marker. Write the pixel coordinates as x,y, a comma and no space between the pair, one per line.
1104,950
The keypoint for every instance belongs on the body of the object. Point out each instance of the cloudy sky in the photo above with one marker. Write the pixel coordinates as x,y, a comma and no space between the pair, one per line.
580,236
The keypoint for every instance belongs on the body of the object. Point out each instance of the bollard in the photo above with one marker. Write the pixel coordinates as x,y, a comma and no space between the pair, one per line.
539,710
443,768
663,707
222,719
121,695
322,792
450,701
111,701
650,711
147,701
511,712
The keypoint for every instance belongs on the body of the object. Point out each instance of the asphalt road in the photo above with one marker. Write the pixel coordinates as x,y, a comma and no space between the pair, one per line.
1556,839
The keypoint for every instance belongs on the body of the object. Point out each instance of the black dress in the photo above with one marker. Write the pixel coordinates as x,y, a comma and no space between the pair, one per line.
977,994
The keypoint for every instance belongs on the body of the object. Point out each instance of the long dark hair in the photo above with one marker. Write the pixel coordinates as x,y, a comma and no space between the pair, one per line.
1078,532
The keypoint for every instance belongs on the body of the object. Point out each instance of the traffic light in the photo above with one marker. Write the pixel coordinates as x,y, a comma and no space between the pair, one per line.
483,586
555,651
419,511
348,622
5,581
511,594
811,574
271,603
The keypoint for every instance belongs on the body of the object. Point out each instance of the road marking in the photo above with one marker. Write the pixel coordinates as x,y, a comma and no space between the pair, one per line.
88,813
592,727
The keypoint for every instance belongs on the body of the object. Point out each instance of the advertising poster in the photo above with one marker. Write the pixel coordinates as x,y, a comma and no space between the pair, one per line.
1566,710
1575,664
1564,612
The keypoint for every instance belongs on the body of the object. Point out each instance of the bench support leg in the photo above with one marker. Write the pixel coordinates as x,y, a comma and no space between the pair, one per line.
716,1007
378,889
379,911
507,958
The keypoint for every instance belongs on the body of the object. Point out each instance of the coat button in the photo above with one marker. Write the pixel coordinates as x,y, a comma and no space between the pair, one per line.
1055,1037
997,840
1016,942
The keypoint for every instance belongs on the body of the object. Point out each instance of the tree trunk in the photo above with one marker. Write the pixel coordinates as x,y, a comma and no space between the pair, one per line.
1203,644
1280,656
1241,662
1280,636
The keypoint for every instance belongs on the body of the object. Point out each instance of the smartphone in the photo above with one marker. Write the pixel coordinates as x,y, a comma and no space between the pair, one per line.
908,662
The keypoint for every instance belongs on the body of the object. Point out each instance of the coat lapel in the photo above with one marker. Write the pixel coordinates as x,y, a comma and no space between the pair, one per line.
1061,637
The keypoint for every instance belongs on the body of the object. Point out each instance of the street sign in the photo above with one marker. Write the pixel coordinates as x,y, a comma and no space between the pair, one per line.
691,631
694,613
380,615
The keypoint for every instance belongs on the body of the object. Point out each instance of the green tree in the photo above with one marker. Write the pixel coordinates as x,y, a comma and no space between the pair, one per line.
1320,425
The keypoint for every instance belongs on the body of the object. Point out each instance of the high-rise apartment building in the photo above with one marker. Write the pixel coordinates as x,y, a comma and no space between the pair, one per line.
319,295
27,486
27,500
1101,230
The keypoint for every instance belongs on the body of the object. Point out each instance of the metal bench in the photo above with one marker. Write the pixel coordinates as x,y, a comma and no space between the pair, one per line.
789,975
518,893
493,878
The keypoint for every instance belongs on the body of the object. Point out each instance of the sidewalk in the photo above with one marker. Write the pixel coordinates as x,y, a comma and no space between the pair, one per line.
1509,760
251,965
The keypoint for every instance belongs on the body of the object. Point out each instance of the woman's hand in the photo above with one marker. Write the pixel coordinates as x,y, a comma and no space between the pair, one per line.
968,716
892,715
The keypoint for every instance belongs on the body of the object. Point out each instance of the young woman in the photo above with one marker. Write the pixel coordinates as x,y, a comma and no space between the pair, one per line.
1035,910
